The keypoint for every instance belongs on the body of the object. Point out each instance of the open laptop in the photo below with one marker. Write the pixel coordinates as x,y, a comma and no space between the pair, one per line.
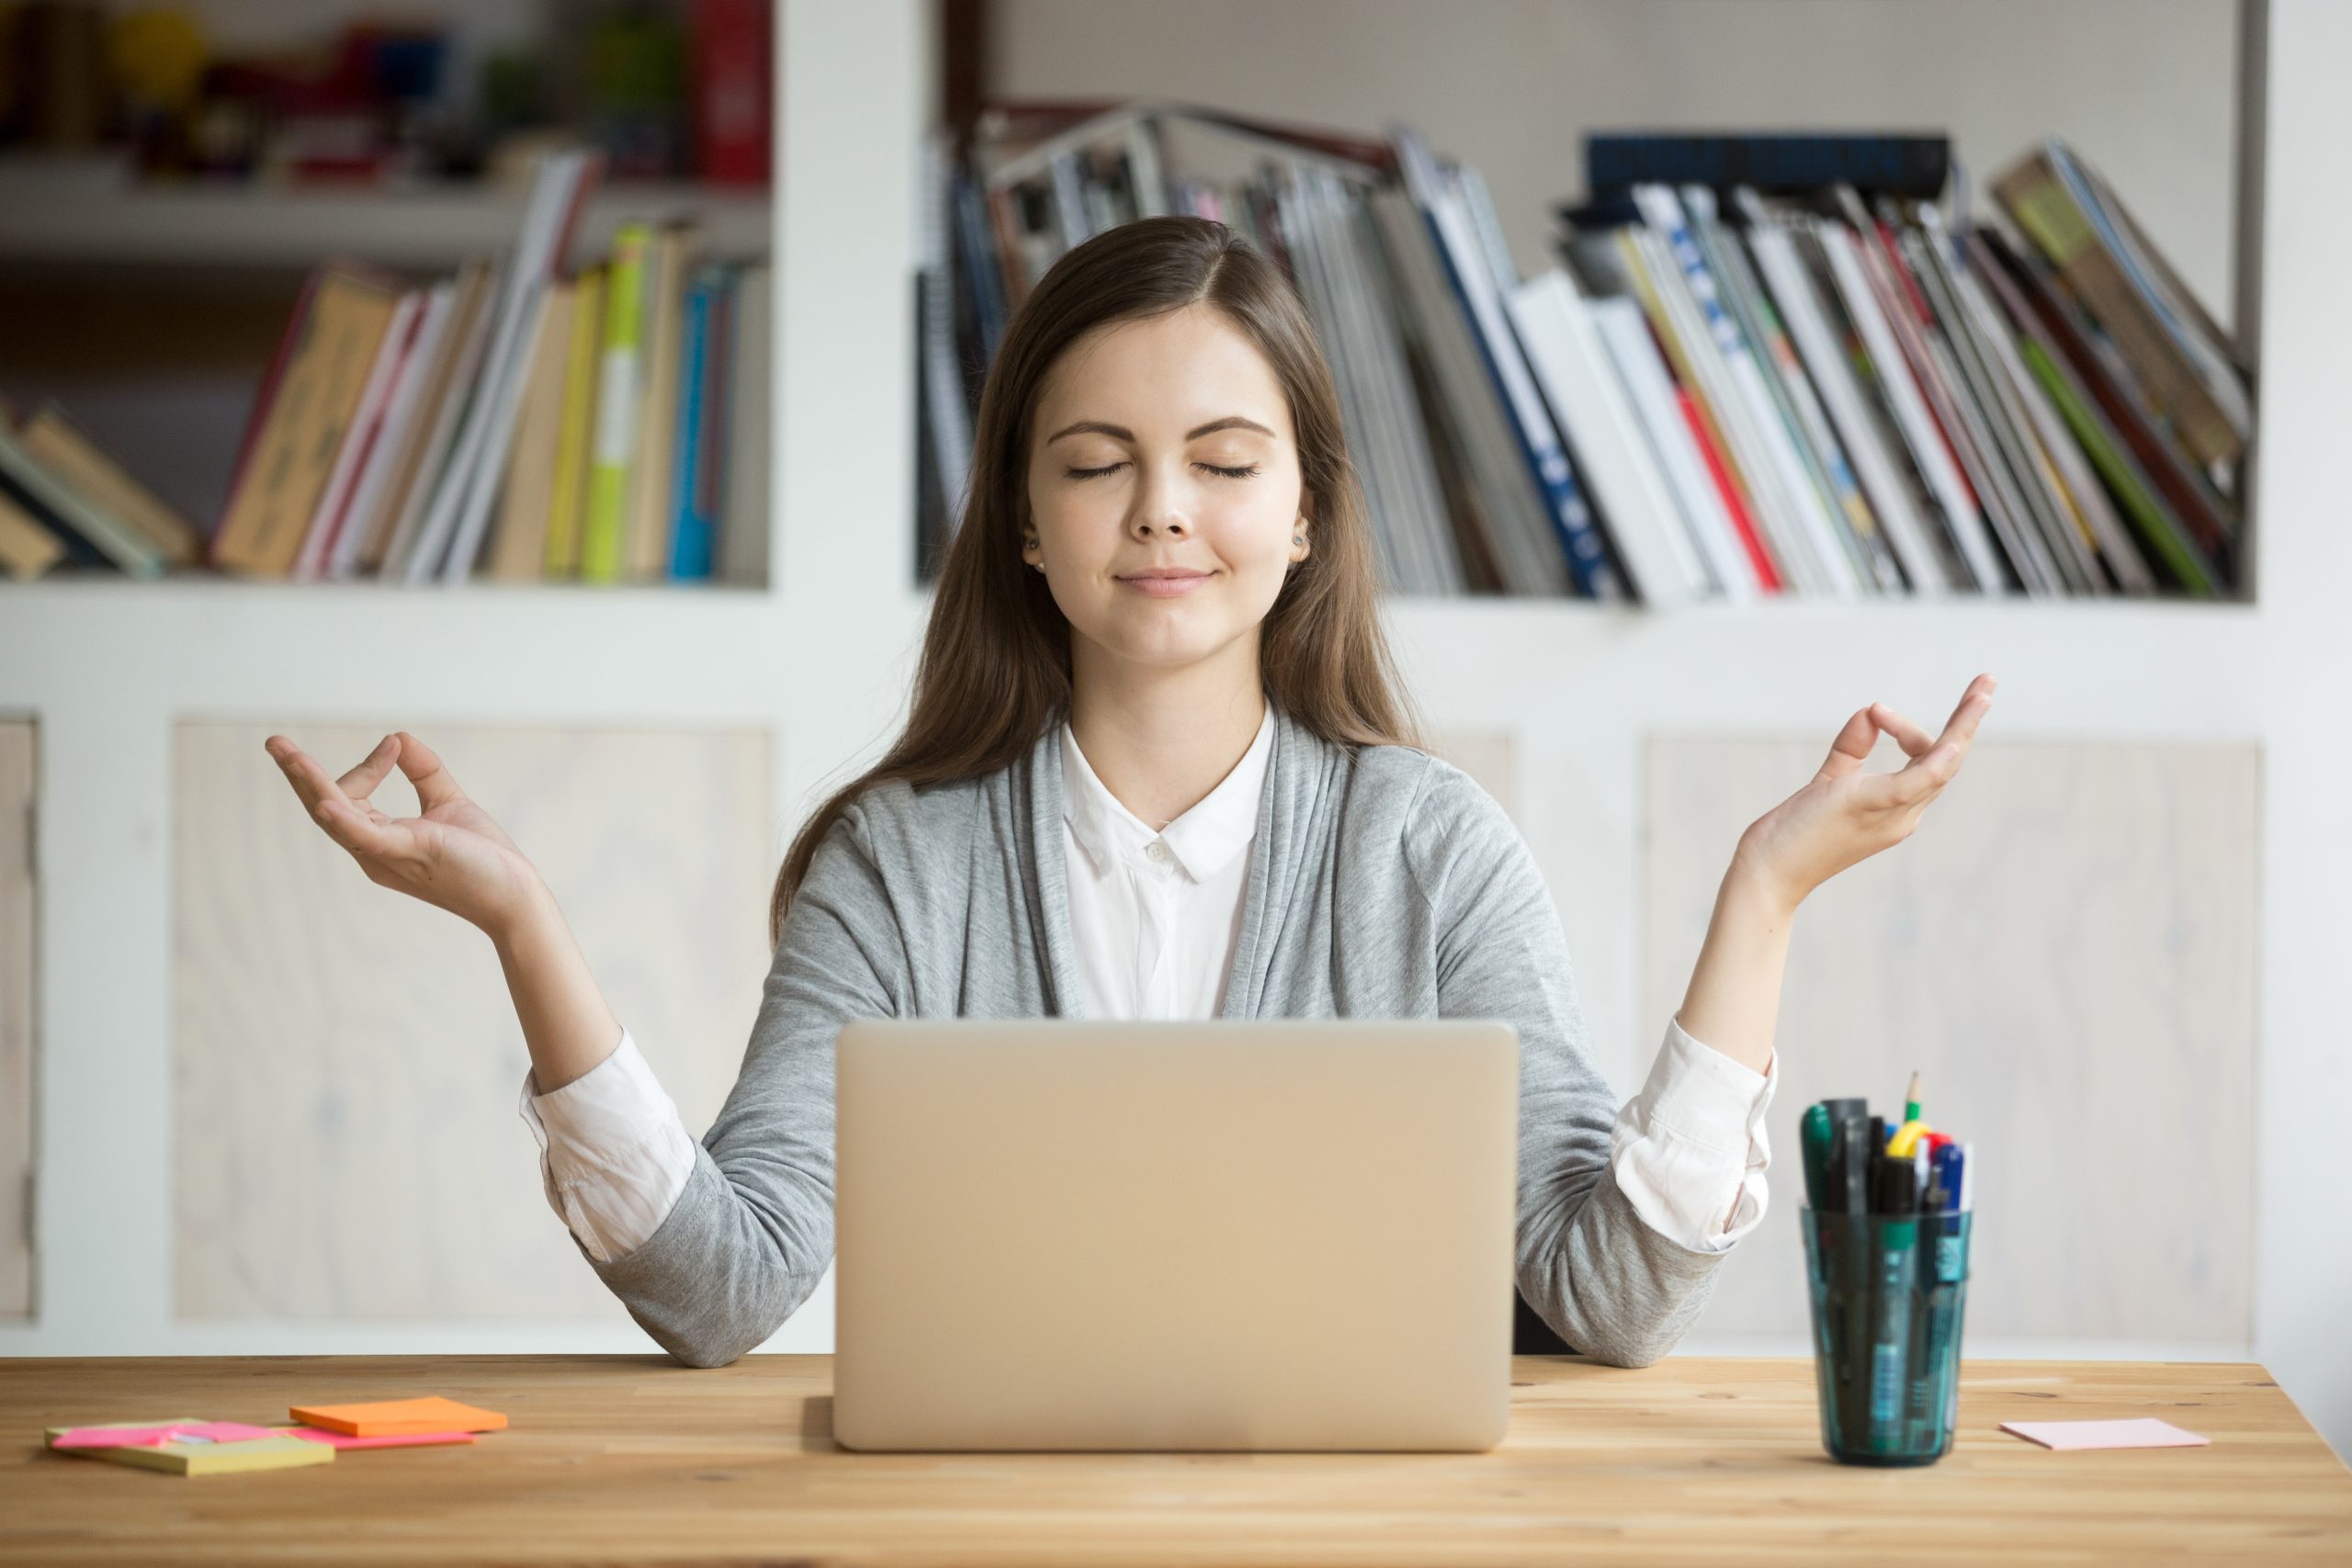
1058,1234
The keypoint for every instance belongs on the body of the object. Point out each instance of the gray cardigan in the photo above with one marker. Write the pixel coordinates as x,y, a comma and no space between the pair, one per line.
1383,883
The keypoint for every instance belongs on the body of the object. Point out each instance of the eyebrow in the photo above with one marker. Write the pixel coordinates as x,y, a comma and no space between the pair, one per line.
1120,432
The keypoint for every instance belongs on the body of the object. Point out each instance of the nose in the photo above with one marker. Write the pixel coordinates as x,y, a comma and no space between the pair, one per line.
1160,509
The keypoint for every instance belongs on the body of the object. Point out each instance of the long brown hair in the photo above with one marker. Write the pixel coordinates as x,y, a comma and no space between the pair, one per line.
995,671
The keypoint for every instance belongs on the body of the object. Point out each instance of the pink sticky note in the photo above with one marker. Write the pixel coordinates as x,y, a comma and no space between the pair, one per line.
387,1441
152,1437
2146,1432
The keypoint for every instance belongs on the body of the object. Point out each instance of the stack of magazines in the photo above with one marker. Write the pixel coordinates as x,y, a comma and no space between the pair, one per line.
1769,365
522,420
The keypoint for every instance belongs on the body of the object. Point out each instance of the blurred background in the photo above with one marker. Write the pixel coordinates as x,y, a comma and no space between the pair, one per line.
1716,367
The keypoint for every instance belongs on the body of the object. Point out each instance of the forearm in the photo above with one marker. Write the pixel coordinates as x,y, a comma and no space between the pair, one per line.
1735,993
567,1025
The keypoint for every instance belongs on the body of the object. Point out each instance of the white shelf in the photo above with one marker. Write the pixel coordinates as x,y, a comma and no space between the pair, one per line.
46,220
2080,668
527,653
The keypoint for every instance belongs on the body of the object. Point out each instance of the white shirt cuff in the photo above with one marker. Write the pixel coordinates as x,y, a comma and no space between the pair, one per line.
613,1154
1690,1151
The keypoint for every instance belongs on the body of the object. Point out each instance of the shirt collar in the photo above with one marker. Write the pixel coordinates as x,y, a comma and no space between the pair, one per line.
1204,840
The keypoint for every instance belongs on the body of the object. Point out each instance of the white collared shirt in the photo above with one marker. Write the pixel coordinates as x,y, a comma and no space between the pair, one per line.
1155,915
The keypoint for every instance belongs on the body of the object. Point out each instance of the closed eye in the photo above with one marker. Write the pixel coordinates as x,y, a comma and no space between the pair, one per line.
1212,468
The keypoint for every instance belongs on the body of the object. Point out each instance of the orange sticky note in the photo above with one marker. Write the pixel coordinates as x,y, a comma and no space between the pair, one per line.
393,1418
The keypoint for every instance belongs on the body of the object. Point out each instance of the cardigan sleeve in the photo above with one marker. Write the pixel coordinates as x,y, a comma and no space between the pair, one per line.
1602,1278
751,1232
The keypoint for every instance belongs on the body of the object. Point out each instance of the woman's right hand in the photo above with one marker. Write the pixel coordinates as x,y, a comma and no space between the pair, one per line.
452,856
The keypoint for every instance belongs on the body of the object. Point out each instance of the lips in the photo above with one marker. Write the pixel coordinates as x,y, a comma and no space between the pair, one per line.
1165,581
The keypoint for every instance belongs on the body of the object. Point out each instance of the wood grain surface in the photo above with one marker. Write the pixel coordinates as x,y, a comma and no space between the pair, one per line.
631,1459
346,1061
2066,950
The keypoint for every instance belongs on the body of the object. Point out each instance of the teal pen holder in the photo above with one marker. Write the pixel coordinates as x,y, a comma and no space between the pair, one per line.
1888,1293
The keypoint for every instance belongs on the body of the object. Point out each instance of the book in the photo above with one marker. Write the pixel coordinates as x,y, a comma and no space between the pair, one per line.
691,510
1507,515
518,541
2187,492
1867,299
645,542
1625,335
360,538
434,431
583,364
1662,255
1773,163
1619,255
1572,369
617,406
450,538
1959,418
2107,451
60,447
1813,470
745,504
2012,451
27,549
733,60
359,437
1469,271
1355,317
298,423
64,509
1828,372
2077,484
2085,253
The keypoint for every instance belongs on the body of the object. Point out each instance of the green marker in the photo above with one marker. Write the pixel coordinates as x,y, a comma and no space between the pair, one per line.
1812,1135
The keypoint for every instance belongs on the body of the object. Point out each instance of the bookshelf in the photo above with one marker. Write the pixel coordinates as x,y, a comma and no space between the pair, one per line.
101,219
822,655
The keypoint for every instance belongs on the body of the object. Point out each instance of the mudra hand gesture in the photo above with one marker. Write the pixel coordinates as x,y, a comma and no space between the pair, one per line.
1846,815
451,855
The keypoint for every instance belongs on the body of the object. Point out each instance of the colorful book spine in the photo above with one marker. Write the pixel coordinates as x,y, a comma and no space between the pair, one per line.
575,440
690,511
616,398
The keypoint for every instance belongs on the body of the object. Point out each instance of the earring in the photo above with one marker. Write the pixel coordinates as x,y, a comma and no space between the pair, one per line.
1298,538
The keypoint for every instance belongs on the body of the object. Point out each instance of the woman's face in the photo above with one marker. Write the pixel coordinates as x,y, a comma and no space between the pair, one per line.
1164,446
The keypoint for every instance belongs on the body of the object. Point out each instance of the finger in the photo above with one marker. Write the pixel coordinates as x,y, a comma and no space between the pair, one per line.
423,766
1907,735
1962,727
361,782
1847,752
1919,780
303,771
346,826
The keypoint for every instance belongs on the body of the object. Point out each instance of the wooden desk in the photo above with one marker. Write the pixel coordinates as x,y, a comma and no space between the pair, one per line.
629,1459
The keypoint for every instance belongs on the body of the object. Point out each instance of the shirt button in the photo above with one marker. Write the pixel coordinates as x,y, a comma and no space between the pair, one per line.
1160,852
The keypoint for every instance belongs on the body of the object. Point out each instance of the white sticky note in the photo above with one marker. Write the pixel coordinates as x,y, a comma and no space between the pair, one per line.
2146,1432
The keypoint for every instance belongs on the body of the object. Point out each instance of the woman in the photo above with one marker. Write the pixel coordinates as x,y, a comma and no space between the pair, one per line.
1158,765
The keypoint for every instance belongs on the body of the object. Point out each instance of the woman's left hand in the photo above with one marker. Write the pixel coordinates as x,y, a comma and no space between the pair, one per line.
1846,815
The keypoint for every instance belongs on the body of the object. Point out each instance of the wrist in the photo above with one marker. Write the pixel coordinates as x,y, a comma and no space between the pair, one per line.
1752,885
523,919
